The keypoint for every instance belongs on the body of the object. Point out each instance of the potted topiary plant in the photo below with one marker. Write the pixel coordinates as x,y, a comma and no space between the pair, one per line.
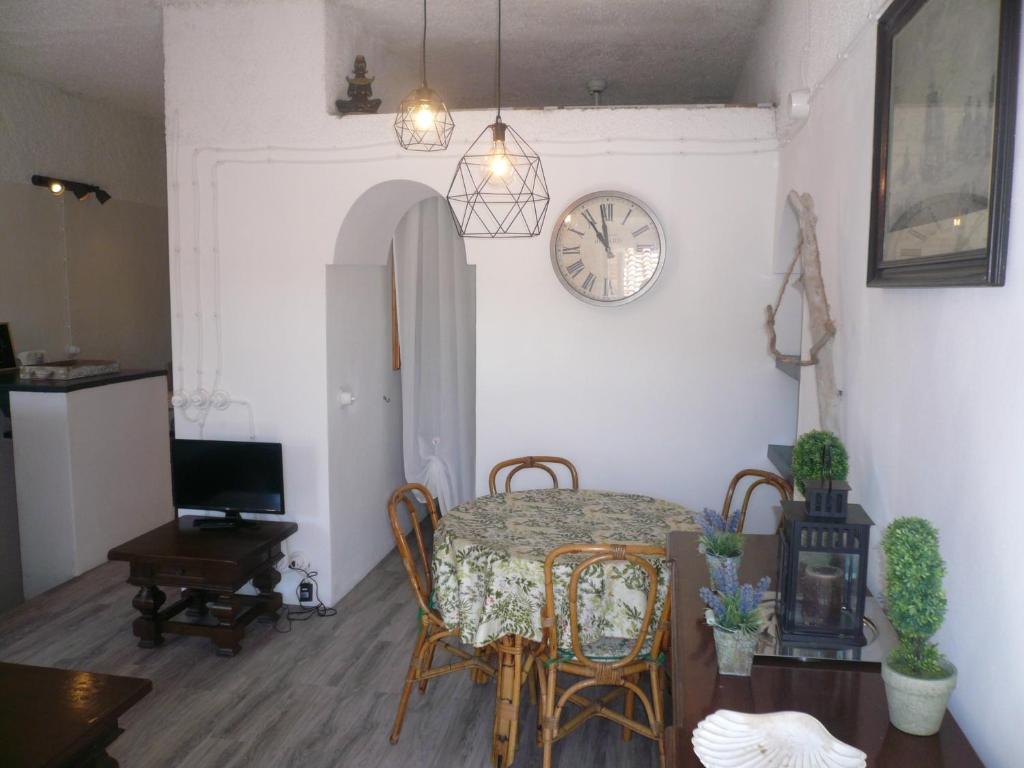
807,453
719,539
733,613
918,679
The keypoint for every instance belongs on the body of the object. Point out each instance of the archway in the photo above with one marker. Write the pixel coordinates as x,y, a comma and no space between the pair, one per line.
367,456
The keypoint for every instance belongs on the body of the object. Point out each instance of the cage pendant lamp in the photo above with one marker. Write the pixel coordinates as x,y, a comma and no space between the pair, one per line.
423,123
499,189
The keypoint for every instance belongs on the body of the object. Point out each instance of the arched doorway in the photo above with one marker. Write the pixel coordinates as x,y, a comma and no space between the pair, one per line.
372,442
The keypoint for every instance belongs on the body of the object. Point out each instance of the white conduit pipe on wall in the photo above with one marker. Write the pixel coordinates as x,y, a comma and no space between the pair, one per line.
196,403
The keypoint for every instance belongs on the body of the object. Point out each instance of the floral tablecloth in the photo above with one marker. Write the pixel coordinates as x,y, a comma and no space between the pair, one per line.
488,562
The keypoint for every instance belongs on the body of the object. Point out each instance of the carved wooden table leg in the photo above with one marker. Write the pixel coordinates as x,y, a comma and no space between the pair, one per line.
228,634
147,627
506,704
265,581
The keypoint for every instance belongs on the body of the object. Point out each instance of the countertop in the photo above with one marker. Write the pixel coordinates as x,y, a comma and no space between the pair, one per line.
9,381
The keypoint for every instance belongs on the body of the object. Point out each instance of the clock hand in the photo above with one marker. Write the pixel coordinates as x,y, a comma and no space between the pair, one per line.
604,228
590,220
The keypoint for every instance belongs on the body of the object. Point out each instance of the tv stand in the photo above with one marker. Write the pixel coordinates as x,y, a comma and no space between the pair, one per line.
211,566
231,521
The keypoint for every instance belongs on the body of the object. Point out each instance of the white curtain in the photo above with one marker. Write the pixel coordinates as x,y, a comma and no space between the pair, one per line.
437,329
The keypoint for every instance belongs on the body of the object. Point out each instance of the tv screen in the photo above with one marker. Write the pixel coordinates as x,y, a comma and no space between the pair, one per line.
227,476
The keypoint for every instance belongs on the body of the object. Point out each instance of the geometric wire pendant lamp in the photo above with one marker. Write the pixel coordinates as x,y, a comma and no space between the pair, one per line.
423,123
499,189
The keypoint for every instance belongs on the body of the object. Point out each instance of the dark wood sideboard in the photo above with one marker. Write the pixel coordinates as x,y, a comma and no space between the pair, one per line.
848,698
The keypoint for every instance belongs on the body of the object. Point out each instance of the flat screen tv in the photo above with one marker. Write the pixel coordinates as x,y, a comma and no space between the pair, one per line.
227,476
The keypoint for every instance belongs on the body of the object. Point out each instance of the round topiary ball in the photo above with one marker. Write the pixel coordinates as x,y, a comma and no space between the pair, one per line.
807,457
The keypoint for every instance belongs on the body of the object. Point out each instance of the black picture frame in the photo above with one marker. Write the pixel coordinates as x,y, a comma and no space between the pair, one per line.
975,267
8,362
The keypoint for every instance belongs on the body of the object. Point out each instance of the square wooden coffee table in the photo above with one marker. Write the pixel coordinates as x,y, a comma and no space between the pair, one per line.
210,565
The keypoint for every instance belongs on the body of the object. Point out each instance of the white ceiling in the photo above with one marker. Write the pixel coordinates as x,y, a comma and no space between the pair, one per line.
108,50
649,51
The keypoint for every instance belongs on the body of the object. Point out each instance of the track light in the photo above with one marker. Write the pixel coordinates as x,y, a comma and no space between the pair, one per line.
79,189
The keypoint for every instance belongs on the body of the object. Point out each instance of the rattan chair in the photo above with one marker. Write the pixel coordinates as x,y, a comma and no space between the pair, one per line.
531,462
777,482
621,667
432,631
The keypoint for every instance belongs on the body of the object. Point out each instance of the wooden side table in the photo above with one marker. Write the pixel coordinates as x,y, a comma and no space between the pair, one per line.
62,718
848,698
210,566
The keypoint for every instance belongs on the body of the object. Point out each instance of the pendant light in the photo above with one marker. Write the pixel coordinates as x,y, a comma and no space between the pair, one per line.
499,188
423,123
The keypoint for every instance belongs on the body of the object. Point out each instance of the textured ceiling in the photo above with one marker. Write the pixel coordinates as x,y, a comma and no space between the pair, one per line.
649,51
108,50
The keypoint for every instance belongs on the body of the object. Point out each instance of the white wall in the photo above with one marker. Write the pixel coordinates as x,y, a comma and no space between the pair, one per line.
931,411
669,395
116,253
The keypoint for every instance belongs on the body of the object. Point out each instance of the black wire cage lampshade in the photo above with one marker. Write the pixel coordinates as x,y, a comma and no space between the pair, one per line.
499,189
423,123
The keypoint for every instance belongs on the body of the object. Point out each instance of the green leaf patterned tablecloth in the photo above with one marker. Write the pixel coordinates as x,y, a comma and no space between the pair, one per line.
488,562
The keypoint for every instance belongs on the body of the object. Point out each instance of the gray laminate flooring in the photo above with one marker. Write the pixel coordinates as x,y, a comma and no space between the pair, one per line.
323,695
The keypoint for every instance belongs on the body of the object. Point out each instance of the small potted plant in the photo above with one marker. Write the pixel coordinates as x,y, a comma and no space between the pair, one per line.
719,540
918,679
807,454
733,613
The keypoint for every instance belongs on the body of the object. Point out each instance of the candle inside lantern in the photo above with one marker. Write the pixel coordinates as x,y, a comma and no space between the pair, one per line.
821,599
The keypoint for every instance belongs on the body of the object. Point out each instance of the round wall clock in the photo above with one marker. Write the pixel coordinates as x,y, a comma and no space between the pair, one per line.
608,248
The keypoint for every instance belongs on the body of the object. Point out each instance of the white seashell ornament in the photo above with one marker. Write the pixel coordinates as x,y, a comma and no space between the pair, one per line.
728,739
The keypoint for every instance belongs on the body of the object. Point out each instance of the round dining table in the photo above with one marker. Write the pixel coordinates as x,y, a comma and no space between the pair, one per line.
488,574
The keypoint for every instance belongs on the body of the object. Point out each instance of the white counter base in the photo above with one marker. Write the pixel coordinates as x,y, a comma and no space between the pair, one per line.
92,468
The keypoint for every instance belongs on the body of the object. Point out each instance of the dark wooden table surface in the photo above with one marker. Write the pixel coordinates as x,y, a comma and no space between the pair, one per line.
848,699
211,565
61,717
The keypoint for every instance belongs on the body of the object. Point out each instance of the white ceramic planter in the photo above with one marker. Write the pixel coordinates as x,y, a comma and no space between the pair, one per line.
715,562
916,705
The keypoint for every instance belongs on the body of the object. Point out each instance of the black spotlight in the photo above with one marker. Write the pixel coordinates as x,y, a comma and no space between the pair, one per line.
79,189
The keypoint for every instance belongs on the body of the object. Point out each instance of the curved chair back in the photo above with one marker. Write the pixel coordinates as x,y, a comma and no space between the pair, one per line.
761,477
600,553
417,568
531,462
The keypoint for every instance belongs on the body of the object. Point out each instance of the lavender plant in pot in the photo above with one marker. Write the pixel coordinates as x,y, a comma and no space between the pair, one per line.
733,613
918,679
719,539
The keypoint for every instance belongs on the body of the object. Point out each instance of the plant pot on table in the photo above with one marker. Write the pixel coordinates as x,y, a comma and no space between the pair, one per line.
917,705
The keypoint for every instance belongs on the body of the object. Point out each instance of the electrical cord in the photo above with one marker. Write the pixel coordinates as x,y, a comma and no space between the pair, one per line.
304,612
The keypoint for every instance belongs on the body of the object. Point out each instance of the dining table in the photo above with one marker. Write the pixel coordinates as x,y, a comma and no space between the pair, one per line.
488,575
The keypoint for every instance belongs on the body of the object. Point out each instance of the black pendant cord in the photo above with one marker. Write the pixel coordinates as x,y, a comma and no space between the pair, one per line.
423,61
498,73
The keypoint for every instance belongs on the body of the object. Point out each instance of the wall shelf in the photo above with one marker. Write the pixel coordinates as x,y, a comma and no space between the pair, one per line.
782,457
790,369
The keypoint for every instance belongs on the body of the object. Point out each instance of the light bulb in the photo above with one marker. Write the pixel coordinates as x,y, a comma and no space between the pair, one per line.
498,162
957,221
423,118
56,187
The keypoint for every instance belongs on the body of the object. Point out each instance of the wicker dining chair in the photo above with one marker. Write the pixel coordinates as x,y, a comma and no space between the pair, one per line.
531,462
620,667
761,477
432,630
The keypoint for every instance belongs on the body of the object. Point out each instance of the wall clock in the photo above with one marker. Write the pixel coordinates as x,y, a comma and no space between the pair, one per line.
607,248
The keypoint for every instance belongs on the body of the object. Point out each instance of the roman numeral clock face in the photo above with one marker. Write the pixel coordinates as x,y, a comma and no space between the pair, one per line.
607,248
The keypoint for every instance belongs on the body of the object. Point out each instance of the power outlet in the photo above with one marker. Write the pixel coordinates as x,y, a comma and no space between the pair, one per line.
299,561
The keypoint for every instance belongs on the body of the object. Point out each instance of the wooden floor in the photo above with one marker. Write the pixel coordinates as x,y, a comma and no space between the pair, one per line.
323,695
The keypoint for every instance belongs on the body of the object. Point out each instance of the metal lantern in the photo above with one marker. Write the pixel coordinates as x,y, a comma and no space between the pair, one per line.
823,568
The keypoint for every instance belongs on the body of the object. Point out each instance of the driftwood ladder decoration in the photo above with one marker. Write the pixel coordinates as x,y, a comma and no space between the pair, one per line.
823,329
